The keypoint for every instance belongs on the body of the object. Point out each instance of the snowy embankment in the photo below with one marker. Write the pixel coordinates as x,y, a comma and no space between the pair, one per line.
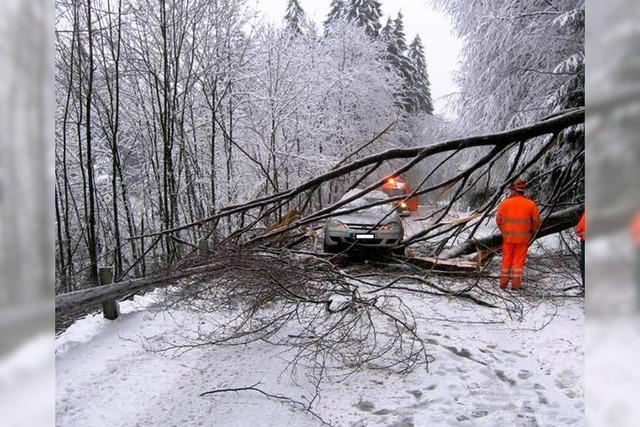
488,370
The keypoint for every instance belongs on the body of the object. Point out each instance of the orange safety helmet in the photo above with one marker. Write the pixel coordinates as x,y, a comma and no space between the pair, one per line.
518,185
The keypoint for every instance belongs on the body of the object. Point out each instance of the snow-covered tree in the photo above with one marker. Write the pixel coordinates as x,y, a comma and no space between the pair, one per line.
366,14
520,62
422,86
295,17
400,63
359,87
309,103
385,33
162,120
337,10
195,106
398,33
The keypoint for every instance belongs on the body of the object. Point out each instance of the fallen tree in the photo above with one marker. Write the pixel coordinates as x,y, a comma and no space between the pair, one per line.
294,229
443,264
554,223
501,142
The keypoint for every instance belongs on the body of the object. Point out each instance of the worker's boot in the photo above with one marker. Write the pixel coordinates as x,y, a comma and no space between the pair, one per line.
505,275
516,283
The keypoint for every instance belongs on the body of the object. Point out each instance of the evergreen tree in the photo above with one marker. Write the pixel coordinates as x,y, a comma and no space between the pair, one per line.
396,47
366,13
398,33
422,86
385,34
337,10
295,17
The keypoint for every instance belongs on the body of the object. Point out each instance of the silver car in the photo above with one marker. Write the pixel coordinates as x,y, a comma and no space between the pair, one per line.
375,227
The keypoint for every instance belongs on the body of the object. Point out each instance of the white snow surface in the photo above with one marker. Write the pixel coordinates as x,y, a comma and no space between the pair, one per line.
495,371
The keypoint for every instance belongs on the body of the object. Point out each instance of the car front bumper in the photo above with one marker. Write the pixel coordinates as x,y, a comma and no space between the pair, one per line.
346,238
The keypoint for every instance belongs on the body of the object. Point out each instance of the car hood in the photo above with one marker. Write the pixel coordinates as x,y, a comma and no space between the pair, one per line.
368,218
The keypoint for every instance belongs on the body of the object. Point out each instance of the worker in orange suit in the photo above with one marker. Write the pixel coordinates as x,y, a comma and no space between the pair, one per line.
518,219
581,233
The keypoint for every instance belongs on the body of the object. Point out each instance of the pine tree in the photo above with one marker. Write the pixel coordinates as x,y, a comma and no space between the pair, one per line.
422,86
366,13
337,10
398,33
396,47
385,34
295,17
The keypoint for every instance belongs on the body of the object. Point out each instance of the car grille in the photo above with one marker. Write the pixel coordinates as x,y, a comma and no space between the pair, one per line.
362,226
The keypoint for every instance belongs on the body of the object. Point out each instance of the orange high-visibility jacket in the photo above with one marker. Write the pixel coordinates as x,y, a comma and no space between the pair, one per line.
518,219
581,227
635,229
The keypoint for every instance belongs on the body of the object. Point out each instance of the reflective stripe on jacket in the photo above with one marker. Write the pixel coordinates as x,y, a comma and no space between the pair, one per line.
518,219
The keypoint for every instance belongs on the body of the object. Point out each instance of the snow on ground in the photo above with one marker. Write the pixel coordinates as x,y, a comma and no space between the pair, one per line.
500,372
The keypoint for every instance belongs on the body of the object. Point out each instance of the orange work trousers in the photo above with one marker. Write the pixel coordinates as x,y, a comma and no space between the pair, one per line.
513,257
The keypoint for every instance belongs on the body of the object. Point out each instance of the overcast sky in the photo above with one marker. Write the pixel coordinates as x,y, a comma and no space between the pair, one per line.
441,46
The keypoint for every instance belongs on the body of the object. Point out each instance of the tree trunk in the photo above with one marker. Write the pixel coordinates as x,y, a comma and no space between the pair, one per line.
93,255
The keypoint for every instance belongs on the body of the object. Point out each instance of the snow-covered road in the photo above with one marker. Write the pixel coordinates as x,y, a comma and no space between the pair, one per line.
499,372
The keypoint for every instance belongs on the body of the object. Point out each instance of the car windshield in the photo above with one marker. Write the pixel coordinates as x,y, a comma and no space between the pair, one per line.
372,197
394,192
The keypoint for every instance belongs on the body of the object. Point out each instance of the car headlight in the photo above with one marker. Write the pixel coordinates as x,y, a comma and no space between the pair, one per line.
392,226
400,204
334,223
